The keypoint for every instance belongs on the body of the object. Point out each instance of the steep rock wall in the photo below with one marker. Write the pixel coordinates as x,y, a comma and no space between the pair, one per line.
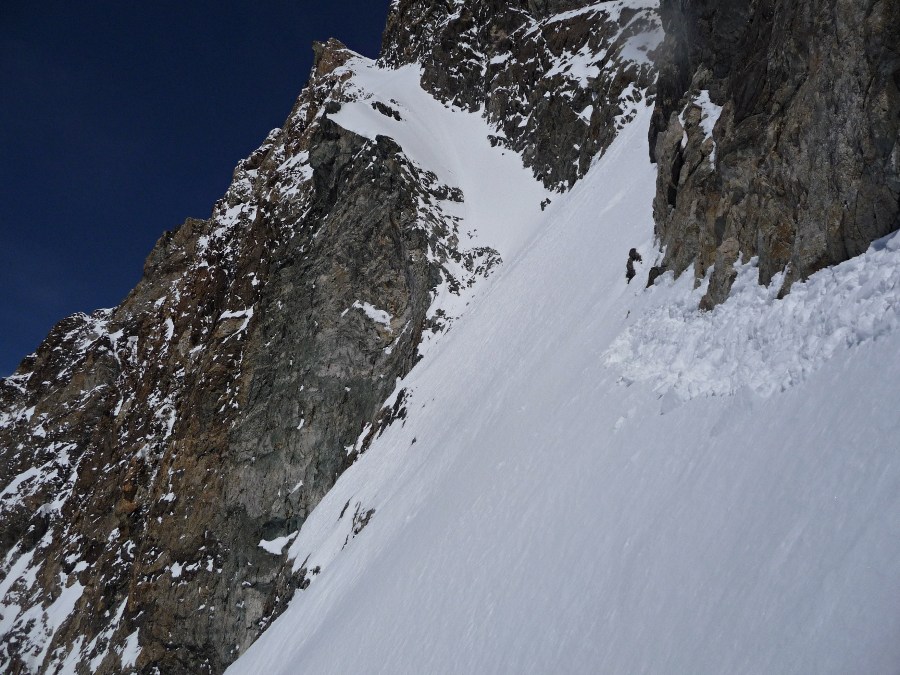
776,133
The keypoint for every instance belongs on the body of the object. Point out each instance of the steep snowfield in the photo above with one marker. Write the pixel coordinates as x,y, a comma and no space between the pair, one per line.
554,502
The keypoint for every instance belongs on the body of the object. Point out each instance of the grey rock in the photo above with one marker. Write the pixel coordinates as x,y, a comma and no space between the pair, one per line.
723,274
806,168
516,62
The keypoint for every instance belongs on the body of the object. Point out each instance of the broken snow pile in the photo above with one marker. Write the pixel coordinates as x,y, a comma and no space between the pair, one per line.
755,340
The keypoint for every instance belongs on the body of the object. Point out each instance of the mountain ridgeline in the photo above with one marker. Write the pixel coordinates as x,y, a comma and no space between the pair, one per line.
159,457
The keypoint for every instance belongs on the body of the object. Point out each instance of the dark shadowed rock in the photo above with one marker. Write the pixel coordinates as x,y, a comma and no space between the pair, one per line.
802,168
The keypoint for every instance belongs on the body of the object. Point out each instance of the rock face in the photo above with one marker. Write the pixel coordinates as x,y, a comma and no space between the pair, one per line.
158,457
776,126
148,450
557,78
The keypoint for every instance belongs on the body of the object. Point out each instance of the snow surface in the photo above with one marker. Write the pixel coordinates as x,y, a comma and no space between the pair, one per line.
613,9
755,340
276,546
545,507
377,315
502,197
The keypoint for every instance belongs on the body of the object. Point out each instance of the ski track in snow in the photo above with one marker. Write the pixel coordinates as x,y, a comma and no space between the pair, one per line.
537,512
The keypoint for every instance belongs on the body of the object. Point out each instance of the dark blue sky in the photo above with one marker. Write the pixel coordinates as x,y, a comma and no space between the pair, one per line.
120,119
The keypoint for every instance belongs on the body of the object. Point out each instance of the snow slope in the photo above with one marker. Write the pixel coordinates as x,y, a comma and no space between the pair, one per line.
553,503
501,195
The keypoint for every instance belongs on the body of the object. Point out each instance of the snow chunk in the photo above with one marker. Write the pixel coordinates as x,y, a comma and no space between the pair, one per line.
709,115
245,314
581,66
276,546
241,313
131,651
755,340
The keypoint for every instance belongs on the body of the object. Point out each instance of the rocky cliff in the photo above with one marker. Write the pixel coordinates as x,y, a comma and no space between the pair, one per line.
558,79
158,457
149,449
776,134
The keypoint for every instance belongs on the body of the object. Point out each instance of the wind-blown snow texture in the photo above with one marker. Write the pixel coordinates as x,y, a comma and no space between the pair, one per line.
558,498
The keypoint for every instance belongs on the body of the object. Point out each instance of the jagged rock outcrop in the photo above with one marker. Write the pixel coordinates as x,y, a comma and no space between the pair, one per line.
157,458
558,78
776,126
